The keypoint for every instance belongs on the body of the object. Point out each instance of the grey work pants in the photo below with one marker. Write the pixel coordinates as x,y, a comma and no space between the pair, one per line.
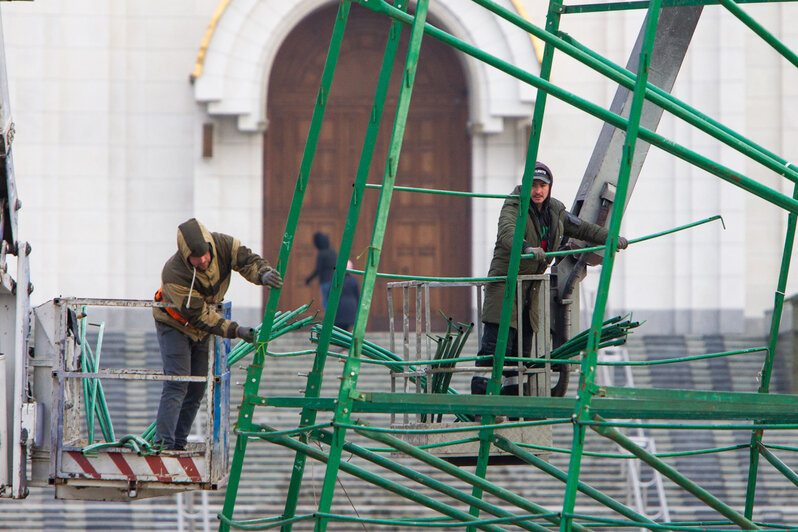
180,401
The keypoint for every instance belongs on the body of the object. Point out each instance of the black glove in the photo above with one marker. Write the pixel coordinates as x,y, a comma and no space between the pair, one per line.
539,254
307,281
622,243
271,279
247,334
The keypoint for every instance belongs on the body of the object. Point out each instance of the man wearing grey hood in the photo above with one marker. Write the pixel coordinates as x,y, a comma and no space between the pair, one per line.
193,281
547,226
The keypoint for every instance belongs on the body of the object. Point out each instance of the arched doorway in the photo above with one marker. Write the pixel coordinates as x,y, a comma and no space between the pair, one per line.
427,235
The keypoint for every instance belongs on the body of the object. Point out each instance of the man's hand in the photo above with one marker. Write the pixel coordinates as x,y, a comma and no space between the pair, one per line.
247,334
622,243
539,254
271,279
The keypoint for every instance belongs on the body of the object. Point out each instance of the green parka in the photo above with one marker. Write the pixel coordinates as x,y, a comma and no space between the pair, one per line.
196,297
562,224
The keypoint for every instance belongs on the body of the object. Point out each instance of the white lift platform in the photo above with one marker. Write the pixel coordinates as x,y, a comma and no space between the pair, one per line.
51,418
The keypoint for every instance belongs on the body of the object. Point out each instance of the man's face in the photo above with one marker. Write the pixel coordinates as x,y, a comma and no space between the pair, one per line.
540,191
201,263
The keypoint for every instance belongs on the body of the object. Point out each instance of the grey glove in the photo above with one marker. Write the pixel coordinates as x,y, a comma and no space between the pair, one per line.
622,243
539,254
271,279
247,334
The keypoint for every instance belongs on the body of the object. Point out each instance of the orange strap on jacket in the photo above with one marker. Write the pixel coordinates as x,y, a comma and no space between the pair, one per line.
172,312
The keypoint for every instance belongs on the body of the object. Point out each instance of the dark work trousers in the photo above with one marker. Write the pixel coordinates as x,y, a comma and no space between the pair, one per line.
180,401
487,347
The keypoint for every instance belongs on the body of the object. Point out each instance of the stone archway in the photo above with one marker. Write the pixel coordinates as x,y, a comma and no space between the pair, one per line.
427,234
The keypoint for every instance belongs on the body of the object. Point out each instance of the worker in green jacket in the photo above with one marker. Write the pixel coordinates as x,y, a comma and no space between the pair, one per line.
193,281
547,225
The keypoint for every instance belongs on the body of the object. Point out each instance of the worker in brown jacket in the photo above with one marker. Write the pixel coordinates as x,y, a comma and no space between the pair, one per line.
193,281
547,224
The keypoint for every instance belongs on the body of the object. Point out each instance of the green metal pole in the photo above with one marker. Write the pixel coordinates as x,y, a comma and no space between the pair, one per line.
494,384
255,370
757,28
675,476
704,163
587,376
463,475
632,241
352,366
315,377
377,480
778,464
412,474
767,367
543,465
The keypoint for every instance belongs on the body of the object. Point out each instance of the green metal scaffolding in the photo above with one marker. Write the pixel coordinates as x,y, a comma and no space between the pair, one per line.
593,405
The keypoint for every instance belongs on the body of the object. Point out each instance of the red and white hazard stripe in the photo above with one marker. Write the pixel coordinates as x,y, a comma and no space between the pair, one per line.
115,465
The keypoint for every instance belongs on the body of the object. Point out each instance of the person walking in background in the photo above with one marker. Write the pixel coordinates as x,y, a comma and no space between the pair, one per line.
325,265
347,306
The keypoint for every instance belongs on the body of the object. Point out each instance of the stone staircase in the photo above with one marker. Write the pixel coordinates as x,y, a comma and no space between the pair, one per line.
267,468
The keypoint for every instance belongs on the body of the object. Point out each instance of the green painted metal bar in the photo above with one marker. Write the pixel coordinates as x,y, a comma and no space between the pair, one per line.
446,192
588,372
352,365
757,28
664,394
617,456
767,366
433,279
316,376
95,385
704,163
783,468
543,465
778,413
426,480
643,4
255,370
656,95
682,359
457,472
634,240
668,471
494,383
377,480
94,397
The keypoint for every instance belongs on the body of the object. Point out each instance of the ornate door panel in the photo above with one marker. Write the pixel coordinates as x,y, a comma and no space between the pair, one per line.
427,234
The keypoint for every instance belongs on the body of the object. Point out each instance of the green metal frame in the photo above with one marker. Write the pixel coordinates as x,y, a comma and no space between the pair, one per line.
594,405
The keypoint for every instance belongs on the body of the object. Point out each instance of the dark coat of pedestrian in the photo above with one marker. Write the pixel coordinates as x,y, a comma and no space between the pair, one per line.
347,306
325,265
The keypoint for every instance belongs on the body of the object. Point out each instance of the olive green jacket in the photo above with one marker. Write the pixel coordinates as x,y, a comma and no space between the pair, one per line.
197,304
563,224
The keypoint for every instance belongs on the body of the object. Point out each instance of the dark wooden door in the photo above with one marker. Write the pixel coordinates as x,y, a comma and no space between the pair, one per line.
427,235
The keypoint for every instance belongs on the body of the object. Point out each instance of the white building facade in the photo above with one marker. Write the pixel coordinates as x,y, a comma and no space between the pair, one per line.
109,144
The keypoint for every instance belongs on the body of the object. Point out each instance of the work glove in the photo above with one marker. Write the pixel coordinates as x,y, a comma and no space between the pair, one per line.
307,281
247,334
271,279
622,243
539,254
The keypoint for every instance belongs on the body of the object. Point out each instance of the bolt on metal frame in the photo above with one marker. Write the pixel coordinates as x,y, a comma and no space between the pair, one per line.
593,404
